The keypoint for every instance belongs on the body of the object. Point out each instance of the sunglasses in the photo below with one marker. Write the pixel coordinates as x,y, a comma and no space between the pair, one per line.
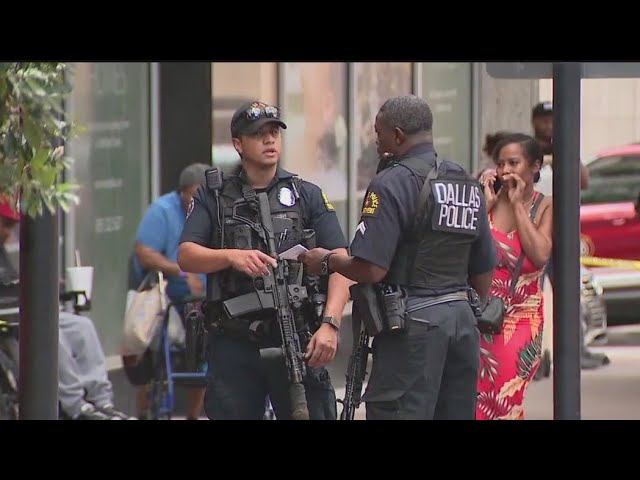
256,112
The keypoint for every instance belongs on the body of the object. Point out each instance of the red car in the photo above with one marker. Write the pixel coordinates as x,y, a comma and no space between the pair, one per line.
610,226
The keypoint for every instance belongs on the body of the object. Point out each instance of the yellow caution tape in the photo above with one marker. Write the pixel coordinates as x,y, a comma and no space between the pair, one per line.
609,262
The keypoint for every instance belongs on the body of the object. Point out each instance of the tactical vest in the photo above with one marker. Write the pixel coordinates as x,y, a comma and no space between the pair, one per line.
435,254
287,213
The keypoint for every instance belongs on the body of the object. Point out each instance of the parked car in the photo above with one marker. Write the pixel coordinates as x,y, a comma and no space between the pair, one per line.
593,309
610,227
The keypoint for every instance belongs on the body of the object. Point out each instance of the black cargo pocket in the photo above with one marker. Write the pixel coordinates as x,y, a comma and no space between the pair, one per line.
398,362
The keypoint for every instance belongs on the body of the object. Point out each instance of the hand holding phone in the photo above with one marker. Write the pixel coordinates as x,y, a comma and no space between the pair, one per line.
497,185
491,185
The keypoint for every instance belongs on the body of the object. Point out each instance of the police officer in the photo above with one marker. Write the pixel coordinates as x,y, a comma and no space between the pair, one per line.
216,241
430,245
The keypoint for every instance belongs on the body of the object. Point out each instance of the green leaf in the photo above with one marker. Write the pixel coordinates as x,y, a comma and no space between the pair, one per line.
10,145
34,208
40,90
47,200
35,87
39,159
3,89
48,176
66,187
32,133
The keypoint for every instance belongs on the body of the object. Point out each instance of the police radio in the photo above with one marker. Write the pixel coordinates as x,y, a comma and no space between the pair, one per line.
213,180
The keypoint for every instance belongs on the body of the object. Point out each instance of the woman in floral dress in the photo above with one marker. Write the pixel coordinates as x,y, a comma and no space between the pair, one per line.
509,360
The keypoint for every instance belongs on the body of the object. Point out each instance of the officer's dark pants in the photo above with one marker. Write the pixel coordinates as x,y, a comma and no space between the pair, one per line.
428,372
239,382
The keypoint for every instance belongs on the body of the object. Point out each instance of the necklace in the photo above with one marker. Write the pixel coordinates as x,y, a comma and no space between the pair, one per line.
511,235
530,198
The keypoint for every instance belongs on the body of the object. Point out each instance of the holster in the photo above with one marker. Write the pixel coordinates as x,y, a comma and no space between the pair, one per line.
379,307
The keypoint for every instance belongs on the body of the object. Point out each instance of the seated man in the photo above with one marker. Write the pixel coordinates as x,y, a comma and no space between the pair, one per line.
84,389
85,392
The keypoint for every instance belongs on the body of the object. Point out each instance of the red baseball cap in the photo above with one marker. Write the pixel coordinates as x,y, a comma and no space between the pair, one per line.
7,211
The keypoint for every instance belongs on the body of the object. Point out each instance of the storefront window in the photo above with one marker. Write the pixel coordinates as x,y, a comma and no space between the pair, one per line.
446,87
111,100
232,85
373,84
315,147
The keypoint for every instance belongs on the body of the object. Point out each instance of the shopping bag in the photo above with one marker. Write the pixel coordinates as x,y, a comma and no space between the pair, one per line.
143,315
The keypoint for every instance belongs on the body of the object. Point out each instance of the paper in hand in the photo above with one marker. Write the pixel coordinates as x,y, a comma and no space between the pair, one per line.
293,253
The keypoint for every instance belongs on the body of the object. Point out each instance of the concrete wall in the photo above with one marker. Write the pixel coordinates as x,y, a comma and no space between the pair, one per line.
610,112
504,104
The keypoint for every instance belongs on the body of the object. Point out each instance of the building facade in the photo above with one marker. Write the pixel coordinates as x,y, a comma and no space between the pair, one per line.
145,121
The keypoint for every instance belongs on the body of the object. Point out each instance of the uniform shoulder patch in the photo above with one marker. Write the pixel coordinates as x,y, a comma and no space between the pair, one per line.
327,203
371,204
192,203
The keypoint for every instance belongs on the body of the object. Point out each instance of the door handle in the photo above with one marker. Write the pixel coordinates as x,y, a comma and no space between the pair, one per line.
616,222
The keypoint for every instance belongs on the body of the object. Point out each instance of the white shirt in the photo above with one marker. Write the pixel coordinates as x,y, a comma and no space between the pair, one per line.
545,184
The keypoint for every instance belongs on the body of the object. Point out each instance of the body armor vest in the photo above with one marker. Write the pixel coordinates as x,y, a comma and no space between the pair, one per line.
288,217
435,254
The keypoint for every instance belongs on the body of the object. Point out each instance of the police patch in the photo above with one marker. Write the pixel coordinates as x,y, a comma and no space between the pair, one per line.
457,206
371,204
286,198
327,203
190,207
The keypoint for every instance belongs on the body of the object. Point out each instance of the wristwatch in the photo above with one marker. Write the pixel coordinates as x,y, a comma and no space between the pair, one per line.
324,264
331,321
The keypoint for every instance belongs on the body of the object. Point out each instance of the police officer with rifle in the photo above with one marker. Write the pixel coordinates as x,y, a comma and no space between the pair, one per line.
272,326
421,251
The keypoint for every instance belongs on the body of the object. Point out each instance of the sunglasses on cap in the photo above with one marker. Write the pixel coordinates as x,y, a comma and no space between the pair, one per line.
255,112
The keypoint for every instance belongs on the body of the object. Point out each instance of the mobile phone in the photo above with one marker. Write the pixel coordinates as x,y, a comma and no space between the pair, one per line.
497,184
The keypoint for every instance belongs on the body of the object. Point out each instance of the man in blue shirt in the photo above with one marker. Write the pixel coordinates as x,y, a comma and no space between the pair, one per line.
159,233
156,249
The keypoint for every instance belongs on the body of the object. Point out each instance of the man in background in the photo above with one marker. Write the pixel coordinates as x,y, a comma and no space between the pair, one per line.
156,249
542,125
84,389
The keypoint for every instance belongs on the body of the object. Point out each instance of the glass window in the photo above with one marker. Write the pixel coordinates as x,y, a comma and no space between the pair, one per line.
447,88
315,147
232,85
613,179
373,84
111,100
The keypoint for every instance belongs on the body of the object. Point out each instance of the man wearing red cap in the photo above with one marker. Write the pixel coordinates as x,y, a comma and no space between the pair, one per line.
84,390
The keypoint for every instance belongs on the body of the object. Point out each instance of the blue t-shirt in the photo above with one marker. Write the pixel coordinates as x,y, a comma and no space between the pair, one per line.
160,230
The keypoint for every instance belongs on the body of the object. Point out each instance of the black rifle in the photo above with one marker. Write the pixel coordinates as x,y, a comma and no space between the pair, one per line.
356,372
276,285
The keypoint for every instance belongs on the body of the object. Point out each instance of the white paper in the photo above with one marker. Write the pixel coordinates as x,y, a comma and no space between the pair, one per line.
293,253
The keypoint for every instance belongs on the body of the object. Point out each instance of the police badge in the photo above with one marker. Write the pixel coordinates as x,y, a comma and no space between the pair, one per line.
286,198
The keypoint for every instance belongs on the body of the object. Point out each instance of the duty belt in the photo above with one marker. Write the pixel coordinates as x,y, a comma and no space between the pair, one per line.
449,297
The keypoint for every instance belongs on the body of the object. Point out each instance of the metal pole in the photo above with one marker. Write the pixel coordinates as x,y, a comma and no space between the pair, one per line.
566,240
39,292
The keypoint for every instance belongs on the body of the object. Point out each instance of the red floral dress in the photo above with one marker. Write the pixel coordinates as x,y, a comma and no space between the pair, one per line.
509,360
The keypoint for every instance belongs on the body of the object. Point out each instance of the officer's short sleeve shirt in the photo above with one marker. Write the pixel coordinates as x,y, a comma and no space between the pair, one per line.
386,214
321,217
198,227
318,211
